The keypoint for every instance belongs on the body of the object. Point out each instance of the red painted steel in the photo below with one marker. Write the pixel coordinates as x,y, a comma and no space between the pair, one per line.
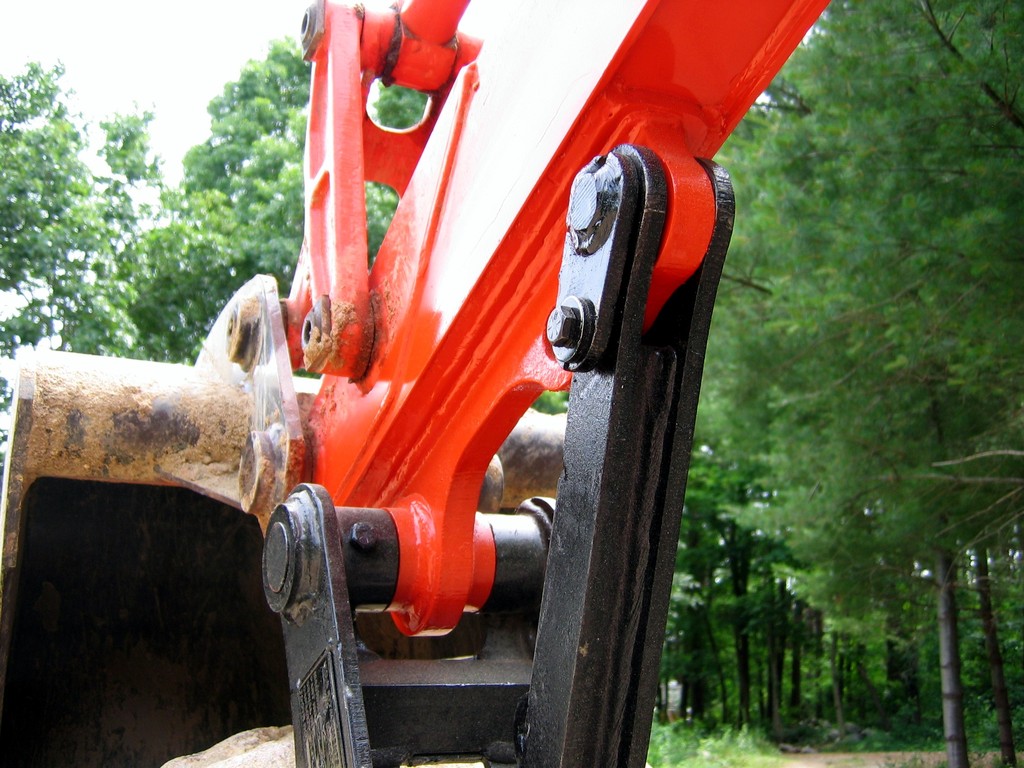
444,348
434,21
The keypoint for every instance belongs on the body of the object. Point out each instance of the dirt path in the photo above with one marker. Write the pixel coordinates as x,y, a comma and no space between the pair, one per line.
864,759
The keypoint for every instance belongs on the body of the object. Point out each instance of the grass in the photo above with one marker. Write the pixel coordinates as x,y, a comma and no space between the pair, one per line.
681,746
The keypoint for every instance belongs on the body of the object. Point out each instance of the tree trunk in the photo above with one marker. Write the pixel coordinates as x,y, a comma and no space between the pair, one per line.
818,652
837,689
902,669
949,664
774,692
995,662
684,695
743,675
796,641
876,699
739,568
777,635
699,700
762,703
720,671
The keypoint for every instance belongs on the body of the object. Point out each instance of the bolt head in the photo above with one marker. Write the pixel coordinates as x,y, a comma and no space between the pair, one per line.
257,472
292,556
363,537
570,330
565,326
593,205
583,203
243,331
318,319
277,556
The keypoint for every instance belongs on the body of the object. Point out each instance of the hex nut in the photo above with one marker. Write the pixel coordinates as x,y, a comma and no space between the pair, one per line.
257,472
244,327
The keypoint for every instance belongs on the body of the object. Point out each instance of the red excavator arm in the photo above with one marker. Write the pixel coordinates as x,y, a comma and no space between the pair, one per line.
432,356
561,224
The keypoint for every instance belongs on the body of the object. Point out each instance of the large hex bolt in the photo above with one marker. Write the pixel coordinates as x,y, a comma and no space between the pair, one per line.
565,327
363,536
292,557
593,204
570,329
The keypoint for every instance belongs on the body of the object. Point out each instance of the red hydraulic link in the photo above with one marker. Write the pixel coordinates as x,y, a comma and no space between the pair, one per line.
441,348
329,312
336,318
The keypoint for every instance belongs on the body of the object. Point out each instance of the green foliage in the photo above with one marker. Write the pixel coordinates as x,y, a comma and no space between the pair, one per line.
887,341
866,341
399,108
239,210
64,229
254,132
552,402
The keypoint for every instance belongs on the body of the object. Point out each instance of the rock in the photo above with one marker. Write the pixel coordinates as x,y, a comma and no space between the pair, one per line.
258,748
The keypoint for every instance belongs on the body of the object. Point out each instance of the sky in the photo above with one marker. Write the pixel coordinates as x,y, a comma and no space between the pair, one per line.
125,55
167,57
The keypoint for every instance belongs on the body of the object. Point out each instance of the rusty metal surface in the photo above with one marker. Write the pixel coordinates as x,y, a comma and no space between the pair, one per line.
531,458
141,632
247,349
89,418
93,418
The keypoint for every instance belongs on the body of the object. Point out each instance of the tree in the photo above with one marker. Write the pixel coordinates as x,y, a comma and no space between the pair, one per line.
878,354
64,228
237,213
239,210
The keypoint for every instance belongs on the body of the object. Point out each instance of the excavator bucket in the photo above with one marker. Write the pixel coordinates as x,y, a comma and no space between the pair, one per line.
133,622
134,627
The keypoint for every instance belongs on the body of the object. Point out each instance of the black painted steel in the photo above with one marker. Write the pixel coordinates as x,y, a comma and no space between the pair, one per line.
448,707
377,711
629,435
140,632
521,552
320,644
594,263
370,542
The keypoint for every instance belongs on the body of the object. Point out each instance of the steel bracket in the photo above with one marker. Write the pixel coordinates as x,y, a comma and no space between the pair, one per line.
304,580
620,498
